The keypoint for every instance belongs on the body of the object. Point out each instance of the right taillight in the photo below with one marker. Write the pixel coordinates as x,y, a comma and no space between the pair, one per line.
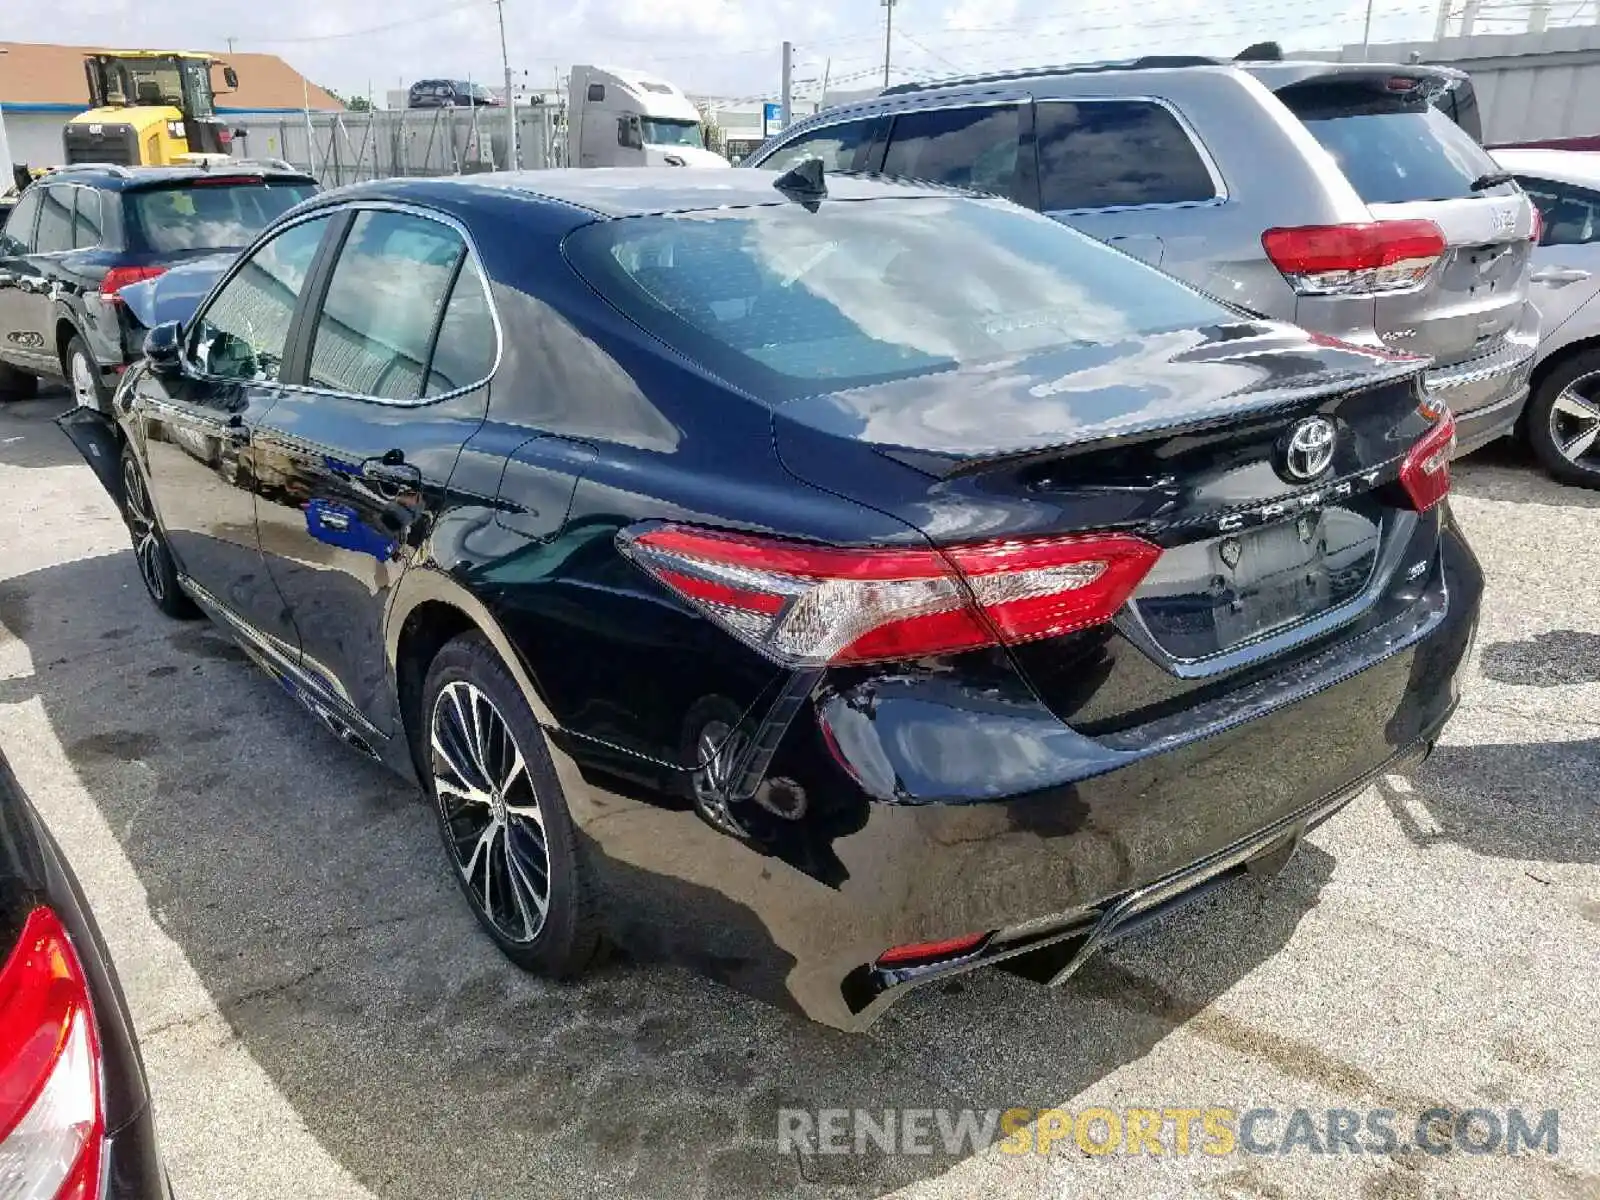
118,278
808,605
1355,260
51,1119
1425,473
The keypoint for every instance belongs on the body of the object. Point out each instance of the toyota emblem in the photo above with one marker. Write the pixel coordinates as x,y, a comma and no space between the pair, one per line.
1309,449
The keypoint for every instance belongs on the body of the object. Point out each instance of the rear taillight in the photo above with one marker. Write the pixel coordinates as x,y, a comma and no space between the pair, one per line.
1353,260
120,277
1425,473
51,1119
806,605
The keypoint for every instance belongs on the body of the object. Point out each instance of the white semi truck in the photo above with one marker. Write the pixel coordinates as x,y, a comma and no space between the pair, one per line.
623,118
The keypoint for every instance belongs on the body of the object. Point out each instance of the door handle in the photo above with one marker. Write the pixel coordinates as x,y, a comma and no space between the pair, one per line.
391,470
1559,275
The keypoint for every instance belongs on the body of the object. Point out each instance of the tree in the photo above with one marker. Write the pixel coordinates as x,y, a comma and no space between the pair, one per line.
716,136
353,103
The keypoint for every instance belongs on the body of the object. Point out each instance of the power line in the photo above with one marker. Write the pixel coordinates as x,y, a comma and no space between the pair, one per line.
350,33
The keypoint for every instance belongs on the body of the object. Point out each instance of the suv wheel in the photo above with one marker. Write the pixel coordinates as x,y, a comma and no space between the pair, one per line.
1564,421
15,384
83,373
503,816
150,545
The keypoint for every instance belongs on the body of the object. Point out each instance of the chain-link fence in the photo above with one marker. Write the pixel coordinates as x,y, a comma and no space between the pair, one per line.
340,148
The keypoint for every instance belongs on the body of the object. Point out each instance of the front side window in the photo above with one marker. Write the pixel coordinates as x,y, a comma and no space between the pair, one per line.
1571,215
1116,153
787,302
211,216
87,226
244,332
18,235
958,147
384,300
55,221
835,145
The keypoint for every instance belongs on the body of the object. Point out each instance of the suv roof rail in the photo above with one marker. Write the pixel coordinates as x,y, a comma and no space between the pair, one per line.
1146,63
117,169
271,164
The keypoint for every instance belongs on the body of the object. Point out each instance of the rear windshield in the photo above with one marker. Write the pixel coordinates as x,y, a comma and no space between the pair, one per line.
790,302
212,216
1393,150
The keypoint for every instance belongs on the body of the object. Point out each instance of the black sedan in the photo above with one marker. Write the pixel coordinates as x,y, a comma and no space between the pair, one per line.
75,1114
832,583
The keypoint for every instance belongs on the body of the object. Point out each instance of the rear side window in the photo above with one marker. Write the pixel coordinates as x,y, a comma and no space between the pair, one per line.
1114,154
465,351
212,216
87,228
55,221
244,332
958,147
835,145
1393,148
384,300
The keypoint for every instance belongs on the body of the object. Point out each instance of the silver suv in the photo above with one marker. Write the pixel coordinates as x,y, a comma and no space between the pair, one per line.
1338,196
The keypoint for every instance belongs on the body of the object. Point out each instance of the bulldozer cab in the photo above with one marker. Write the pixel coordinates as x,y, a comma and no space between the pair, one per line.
148,108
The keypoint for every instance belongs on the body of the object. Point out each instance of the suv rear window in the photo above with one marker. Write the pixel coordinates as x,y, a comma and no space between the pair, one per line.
211,216
1392,149
794,303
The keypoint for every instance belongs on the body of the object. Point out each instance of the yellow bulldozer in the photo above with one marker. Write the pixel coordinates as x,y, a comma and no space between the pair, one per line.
151,108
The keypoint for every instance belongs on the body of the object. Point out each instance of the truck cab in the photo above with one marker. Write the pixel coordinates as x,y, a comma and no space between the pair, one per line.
623,118
148,108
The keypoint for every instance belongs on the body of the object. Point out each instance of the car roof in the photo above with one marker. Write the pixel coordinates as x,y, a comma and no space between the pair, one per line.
128,179
628,191
1580,167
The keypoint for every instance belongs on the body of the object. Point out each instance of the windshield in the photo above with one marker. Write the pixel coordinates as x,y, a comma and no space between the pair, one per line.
1393,151
144,81
792,302
212,216
662,131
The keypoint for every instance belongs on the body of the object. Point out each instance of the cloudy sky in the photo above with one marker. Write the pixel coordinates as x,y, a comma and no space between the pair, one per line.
723,47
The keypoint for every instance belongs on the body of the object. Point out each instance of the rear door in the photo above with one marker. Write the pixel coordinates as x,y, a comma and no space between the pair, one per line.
16,244
31,320
1406,159
392,363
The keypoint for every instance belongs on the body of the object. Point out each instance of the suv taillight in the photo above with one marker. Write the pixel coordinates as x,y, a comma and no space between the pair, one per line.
805,605
1425,473
51,1119
118,278
1355,260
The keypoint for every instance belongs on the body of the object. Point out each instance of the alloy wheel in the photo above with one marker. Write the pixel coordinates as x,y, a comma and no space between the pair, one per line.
718,749
1575,422
84,392
147,547
491,812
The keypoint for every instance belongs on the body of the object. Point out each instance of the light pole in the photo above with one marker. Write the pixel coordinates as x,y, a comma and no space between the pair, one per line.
511,103
5,149
888,35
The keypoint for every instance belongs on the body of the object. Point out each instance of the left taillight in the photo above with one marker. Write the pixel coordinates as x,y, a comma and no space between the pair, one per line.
118,278
1425,471
807,605
51,1118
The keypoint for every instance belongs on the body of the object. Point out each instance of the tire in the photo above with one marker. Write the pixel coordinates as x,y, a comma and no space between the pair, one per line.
1564,416
499,826
85,378
17,385
150,551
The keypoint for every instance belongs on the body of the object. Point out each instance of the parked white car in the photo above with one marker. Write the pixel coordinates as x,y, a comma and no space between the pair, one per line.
1563,413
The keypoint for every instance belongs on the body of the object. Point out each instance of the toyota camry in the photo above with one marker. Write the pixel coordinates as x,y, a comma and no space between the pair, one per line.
832,583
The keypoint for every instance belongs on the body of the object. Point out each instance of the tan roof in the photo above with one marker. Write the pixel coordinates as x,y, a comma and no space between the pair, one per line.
37,73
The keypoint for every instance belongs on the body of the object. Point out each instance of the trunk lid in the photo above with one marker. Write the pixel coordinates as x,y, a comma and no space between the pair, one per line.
1183,439
1407,160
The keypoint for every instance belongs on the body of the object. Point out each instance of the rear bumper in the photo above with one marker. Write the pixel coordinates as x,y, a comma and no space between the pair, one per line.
936,811
1487,394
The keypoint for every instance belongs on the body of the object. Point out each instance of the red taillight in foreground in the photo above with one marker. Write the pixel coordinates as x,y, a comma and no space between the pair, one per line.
927,952
120,277
1353,260
809,605
51,1119
1425,473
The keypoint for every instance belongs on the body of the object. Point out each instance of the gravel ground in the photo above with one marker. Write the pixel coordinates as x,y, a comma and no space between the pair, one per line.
320,1017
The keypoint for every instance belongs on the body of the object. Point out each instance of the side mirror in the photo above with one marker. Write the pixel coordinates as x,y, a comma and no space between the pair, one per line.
163,347
230,77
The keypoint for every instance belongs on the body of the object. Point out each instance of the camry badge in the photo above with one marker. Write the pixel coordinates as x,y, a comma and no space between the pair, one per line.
1230,549
1308,452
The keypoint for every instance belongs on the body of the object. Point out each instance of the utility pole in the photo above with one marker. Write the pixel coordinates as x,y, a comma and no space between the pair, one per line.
1366,32
511,103
888,35
5,151
788,83
231,41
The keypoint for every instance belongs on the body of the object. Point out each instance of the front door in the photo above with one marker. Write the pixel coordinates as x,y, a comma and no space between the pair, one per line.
25,300
197,428
1566,262
394,362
